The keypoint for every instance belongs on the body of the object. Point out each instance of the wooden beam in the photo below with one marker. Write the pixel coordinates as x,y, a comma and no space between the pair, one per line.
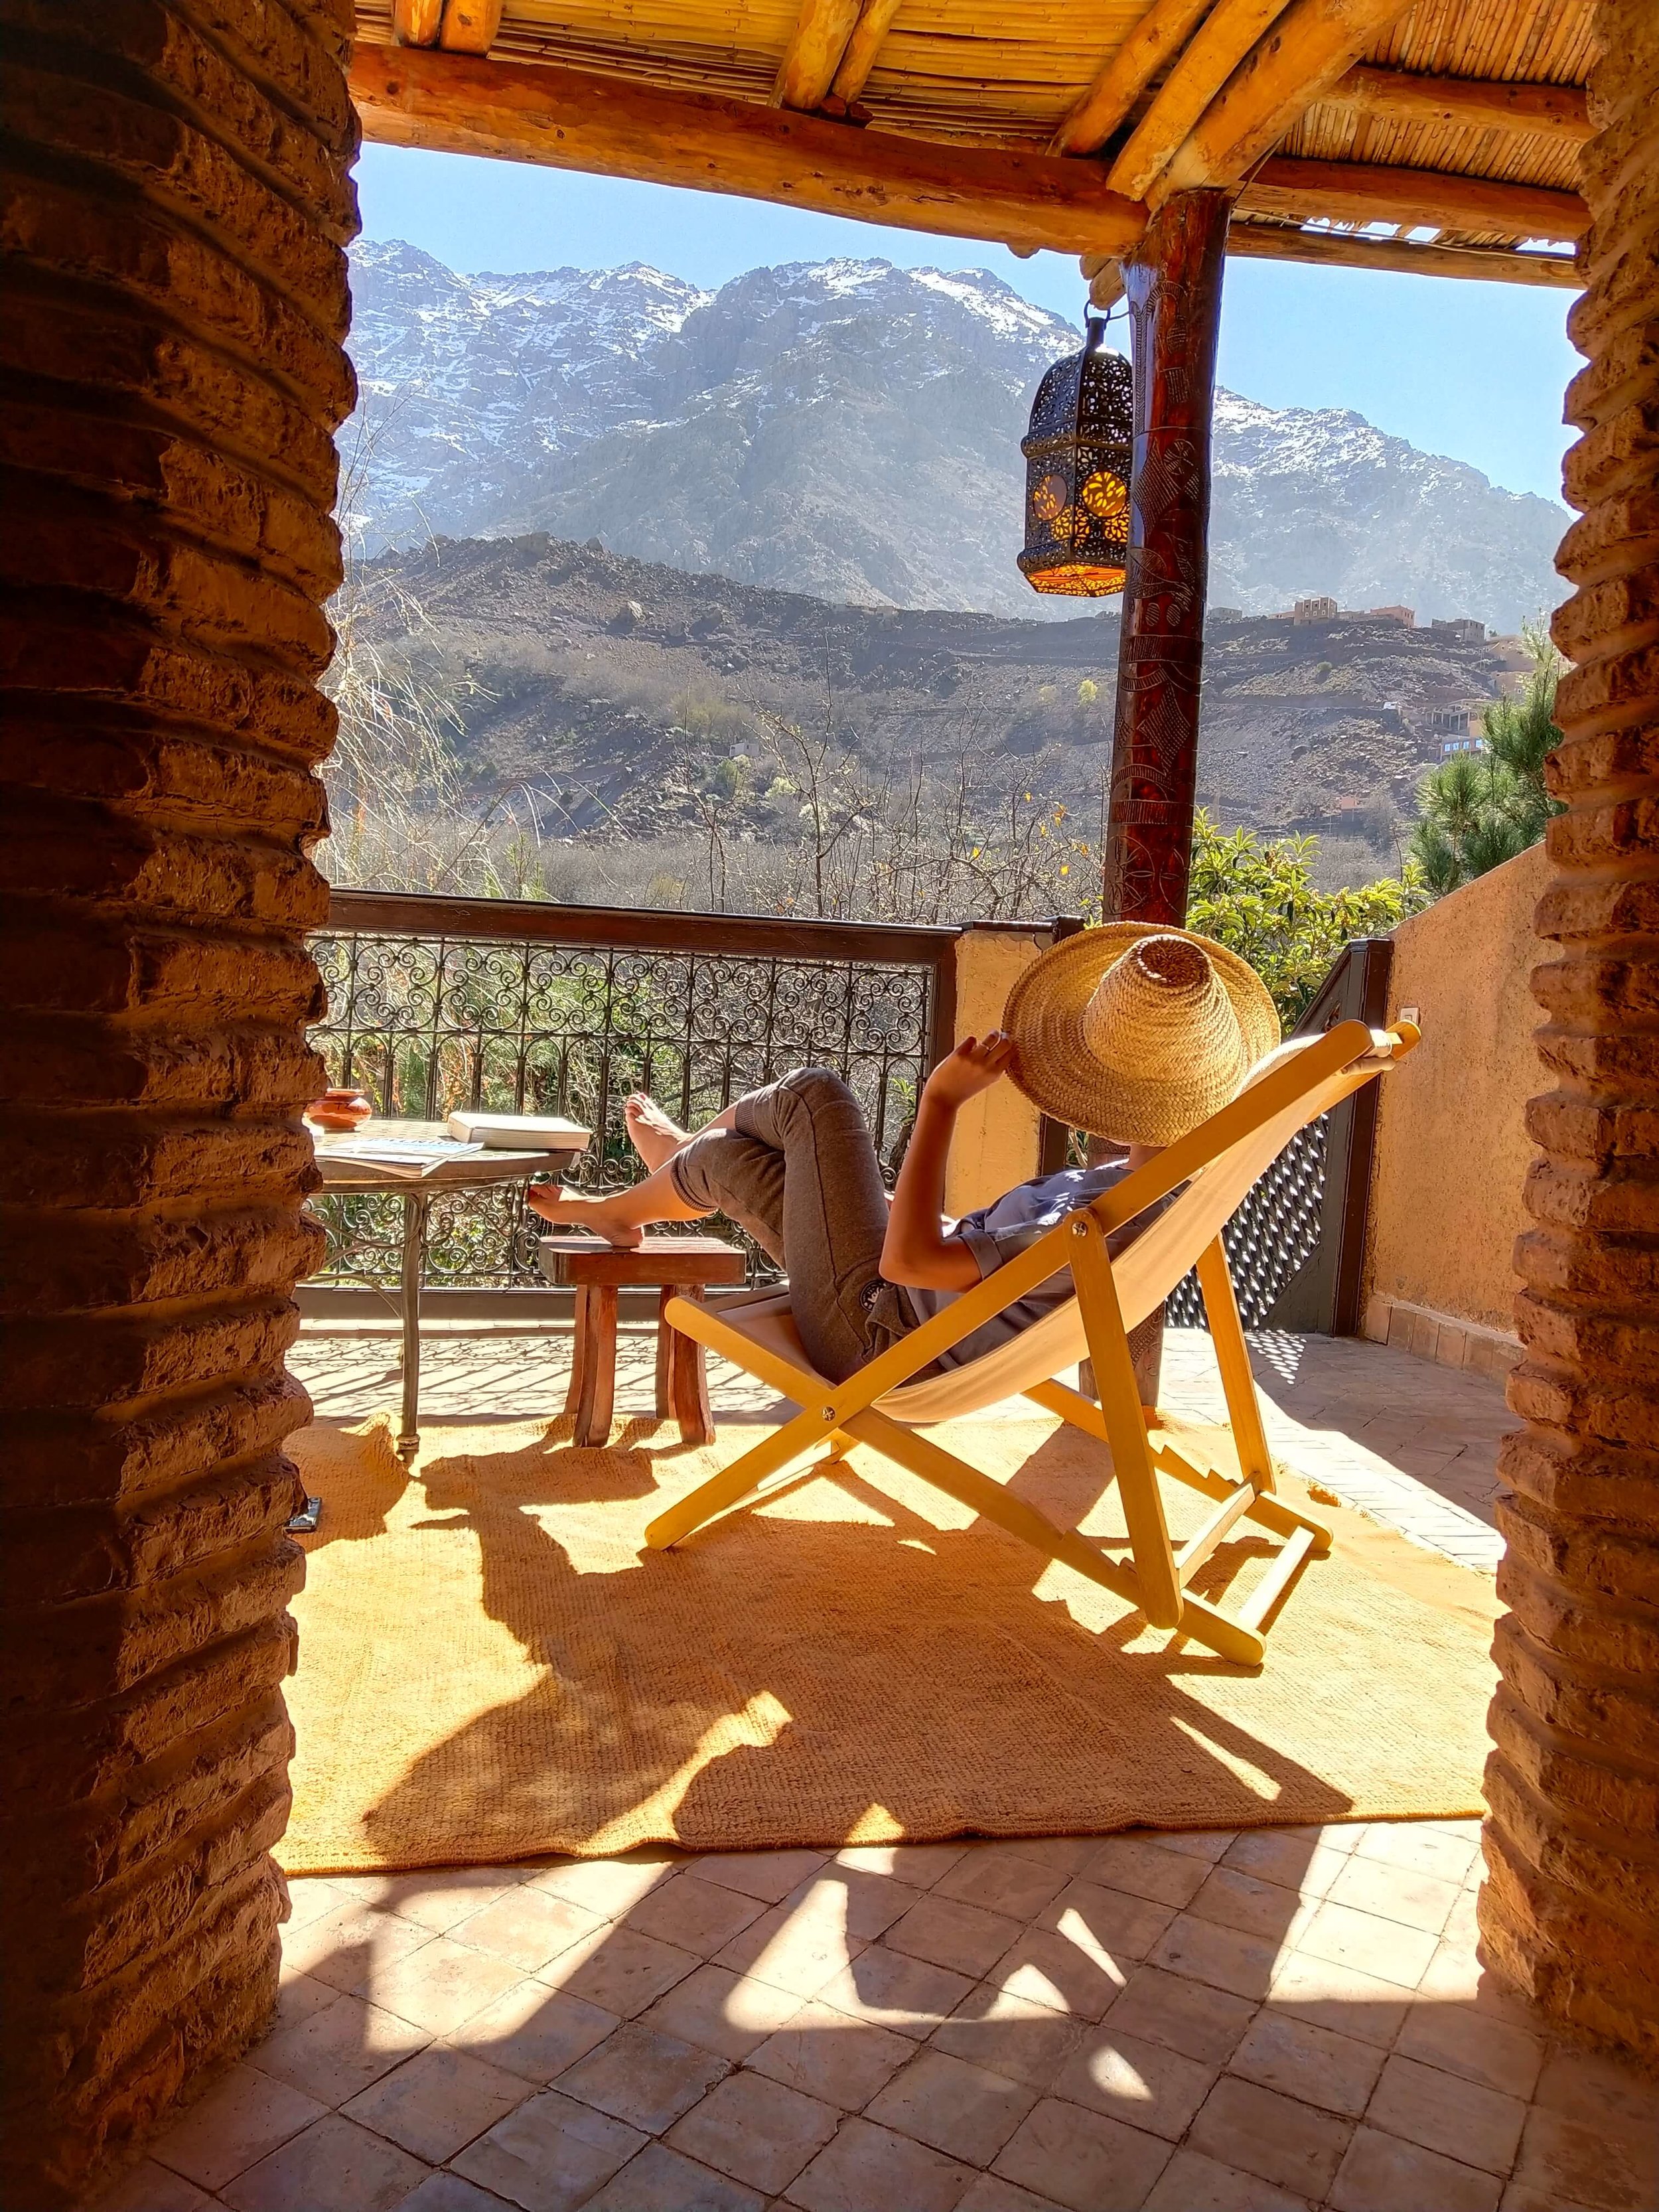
469,26
1307,50
813,54
1360,192
416,22
1106,286
1338,250
875,21
1558,111
1160,34
1212,55
612,127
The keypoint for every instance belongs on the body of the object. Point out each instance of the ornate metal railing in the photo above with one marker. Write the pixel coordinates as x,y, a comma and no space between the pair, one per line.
1295,1245
436,1003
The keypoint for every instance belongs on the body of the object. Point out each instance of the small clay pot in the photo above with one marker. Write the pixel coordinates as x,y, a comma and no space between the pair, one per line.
340,1109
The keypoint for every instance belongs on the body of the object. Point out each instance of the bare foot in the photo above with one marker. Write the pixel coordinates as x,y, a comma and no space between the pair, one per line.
576,1209
654,1136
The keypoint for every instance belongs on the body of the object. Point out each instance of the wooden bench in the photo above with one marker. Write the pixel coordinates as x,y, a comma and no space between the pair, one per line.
674,1267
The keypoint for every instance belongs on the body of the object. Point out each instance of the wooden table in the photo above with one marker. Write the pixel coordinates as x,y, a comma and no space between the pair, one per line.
674,1267
343,1176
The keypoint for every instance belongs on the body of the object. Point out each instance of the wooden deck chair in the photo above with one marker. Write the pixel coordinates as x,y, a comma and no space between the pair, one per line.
1211,1169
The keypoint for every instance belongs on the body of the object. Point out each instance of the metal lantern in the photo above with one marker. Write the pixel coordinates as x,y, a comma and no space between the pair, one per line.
1077,473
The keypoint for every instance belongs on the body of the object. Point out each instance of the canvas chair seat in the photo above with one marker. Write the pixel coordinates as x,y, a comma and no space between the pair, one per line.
1204,1177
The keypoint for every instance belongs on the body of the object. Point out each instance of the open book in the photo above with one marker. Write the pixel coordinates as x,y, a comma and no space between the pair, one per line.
410,1157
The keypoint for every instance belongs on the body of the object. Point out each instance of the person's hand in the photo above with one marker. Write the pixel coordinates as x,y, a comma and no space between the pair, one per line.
975,1066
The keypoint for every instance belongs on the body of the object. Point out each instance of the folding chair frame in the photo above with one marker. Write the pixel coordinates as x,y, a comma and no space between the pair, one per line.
1155,1577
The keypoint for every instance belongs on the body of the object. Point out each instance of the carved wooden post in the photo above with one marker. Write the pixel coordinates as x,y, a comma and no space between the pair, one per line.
1569,1909
1173,287
178,201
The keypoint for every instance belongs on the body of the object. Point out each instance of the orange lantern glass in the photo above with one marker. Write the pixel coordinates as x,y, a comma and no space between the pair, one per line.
1077,456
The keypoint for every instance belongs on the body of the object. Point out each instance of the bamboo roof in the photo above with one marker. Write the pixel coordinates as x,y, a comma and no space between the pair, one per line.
1443,135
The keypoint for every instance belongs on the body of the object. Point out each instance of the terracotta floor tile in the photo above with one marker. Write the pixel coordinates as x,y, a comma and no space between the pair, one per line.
309,1898
1199,2020
1146,2085
240,2117
1418,1848
298,1997
866,1904
1068,1972
619,1970
643,2076
1066,1854
534,2031
437,2102
1585,2086
919,1866
443,1983
1385,1948
607,1887
1380,2173
1192,2182
958,2107
1234,1899
868,2166
769,1875
528,1927
1010,2035
551,2154
1204,1951
1207,1843
1520,2197
723,2012
147,2187
439,1899
451,2193
1448,2113
1455,1976
907,1995
798,1945
698,1916
829,2055
334,2166
1395,1892
663,2180
1609,2169
1338,2073
340,2050
964,1939
1466,2041
346,1947
1340,1997
1125,1928
1276,2137
1002,1880
758,2131
1135,1868
989,2192
1084,2159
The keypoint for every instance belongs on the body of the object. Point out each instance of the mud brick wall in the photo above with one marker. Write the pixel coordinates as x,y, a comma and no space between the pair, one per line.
177,202
1571,1907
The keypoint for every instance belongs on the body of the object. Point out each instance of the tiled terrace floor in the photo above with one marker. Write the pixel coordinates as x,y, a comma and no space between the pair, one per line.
1261,2022
1264,2023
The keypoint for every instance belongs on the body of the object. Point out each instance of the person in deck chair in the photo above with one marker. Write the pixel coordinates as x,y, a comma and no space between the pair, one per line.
1132,1034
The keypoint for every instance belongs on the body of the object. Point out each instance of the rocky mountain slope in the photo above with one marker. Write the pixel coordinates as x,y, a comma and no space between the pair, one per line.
851,430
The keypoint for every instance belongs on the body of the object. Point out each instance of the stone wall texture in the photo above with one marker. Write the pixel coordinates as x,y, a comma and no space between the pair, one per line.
177,205
1571,1907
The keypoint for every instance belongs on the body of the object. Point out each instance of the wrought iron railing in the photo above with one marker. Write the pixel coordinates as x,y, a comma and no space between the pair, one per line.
436,1003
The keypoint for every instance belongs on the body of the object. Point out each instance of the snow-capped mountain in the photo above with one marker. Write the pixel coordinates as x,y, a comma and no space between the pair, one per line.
852,431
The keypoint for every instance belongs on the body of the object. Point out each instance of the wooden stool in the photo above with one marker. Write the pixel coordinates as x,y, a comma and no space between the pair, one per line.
674,1267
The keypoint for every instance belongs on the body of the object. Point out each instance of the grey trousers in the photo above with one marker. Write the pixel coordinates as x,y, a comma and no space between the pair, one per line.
799,1173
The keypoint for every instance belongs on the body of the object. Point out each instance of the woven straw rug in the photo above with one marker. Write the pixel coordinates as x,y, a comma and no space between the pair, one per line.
490,1670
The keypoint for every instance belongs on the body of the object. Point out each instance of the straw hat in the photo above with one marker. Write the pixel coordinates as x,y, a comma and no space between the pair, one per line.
1136,1032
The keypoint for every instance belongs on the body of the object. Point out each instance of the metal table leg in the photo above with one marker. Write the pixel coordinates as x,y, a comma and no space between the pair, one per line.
409,1288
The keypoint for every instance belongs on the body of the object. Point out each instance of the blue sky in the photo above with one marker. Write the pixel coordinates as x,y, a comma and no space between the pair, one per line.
1476,371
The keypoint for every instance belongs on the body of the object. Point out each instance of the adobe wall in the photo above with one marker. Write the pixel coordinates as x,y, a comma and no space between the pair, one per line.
177,207
1570,1909
1452,1149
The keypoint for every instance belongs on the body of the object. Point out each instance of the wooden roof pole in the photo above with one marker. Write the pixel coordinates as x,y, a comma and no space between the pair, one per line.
1161,33
1366,191
1559,112
613,127
1210,58
1342,250
1312,44
875,21
813,54
1174,283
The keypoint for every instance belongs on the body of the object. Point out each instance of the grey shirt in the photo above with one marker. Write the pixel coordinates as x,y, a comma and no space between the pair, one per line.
995,1233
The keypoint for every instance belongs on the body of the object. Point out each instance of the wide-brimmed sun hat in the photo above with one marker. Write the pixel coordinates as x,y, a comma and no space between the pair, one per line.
1137,1032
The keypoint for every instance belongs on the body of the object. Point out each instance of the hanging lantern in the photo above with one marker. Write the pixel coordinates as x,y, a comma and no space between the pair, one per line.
1077,473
